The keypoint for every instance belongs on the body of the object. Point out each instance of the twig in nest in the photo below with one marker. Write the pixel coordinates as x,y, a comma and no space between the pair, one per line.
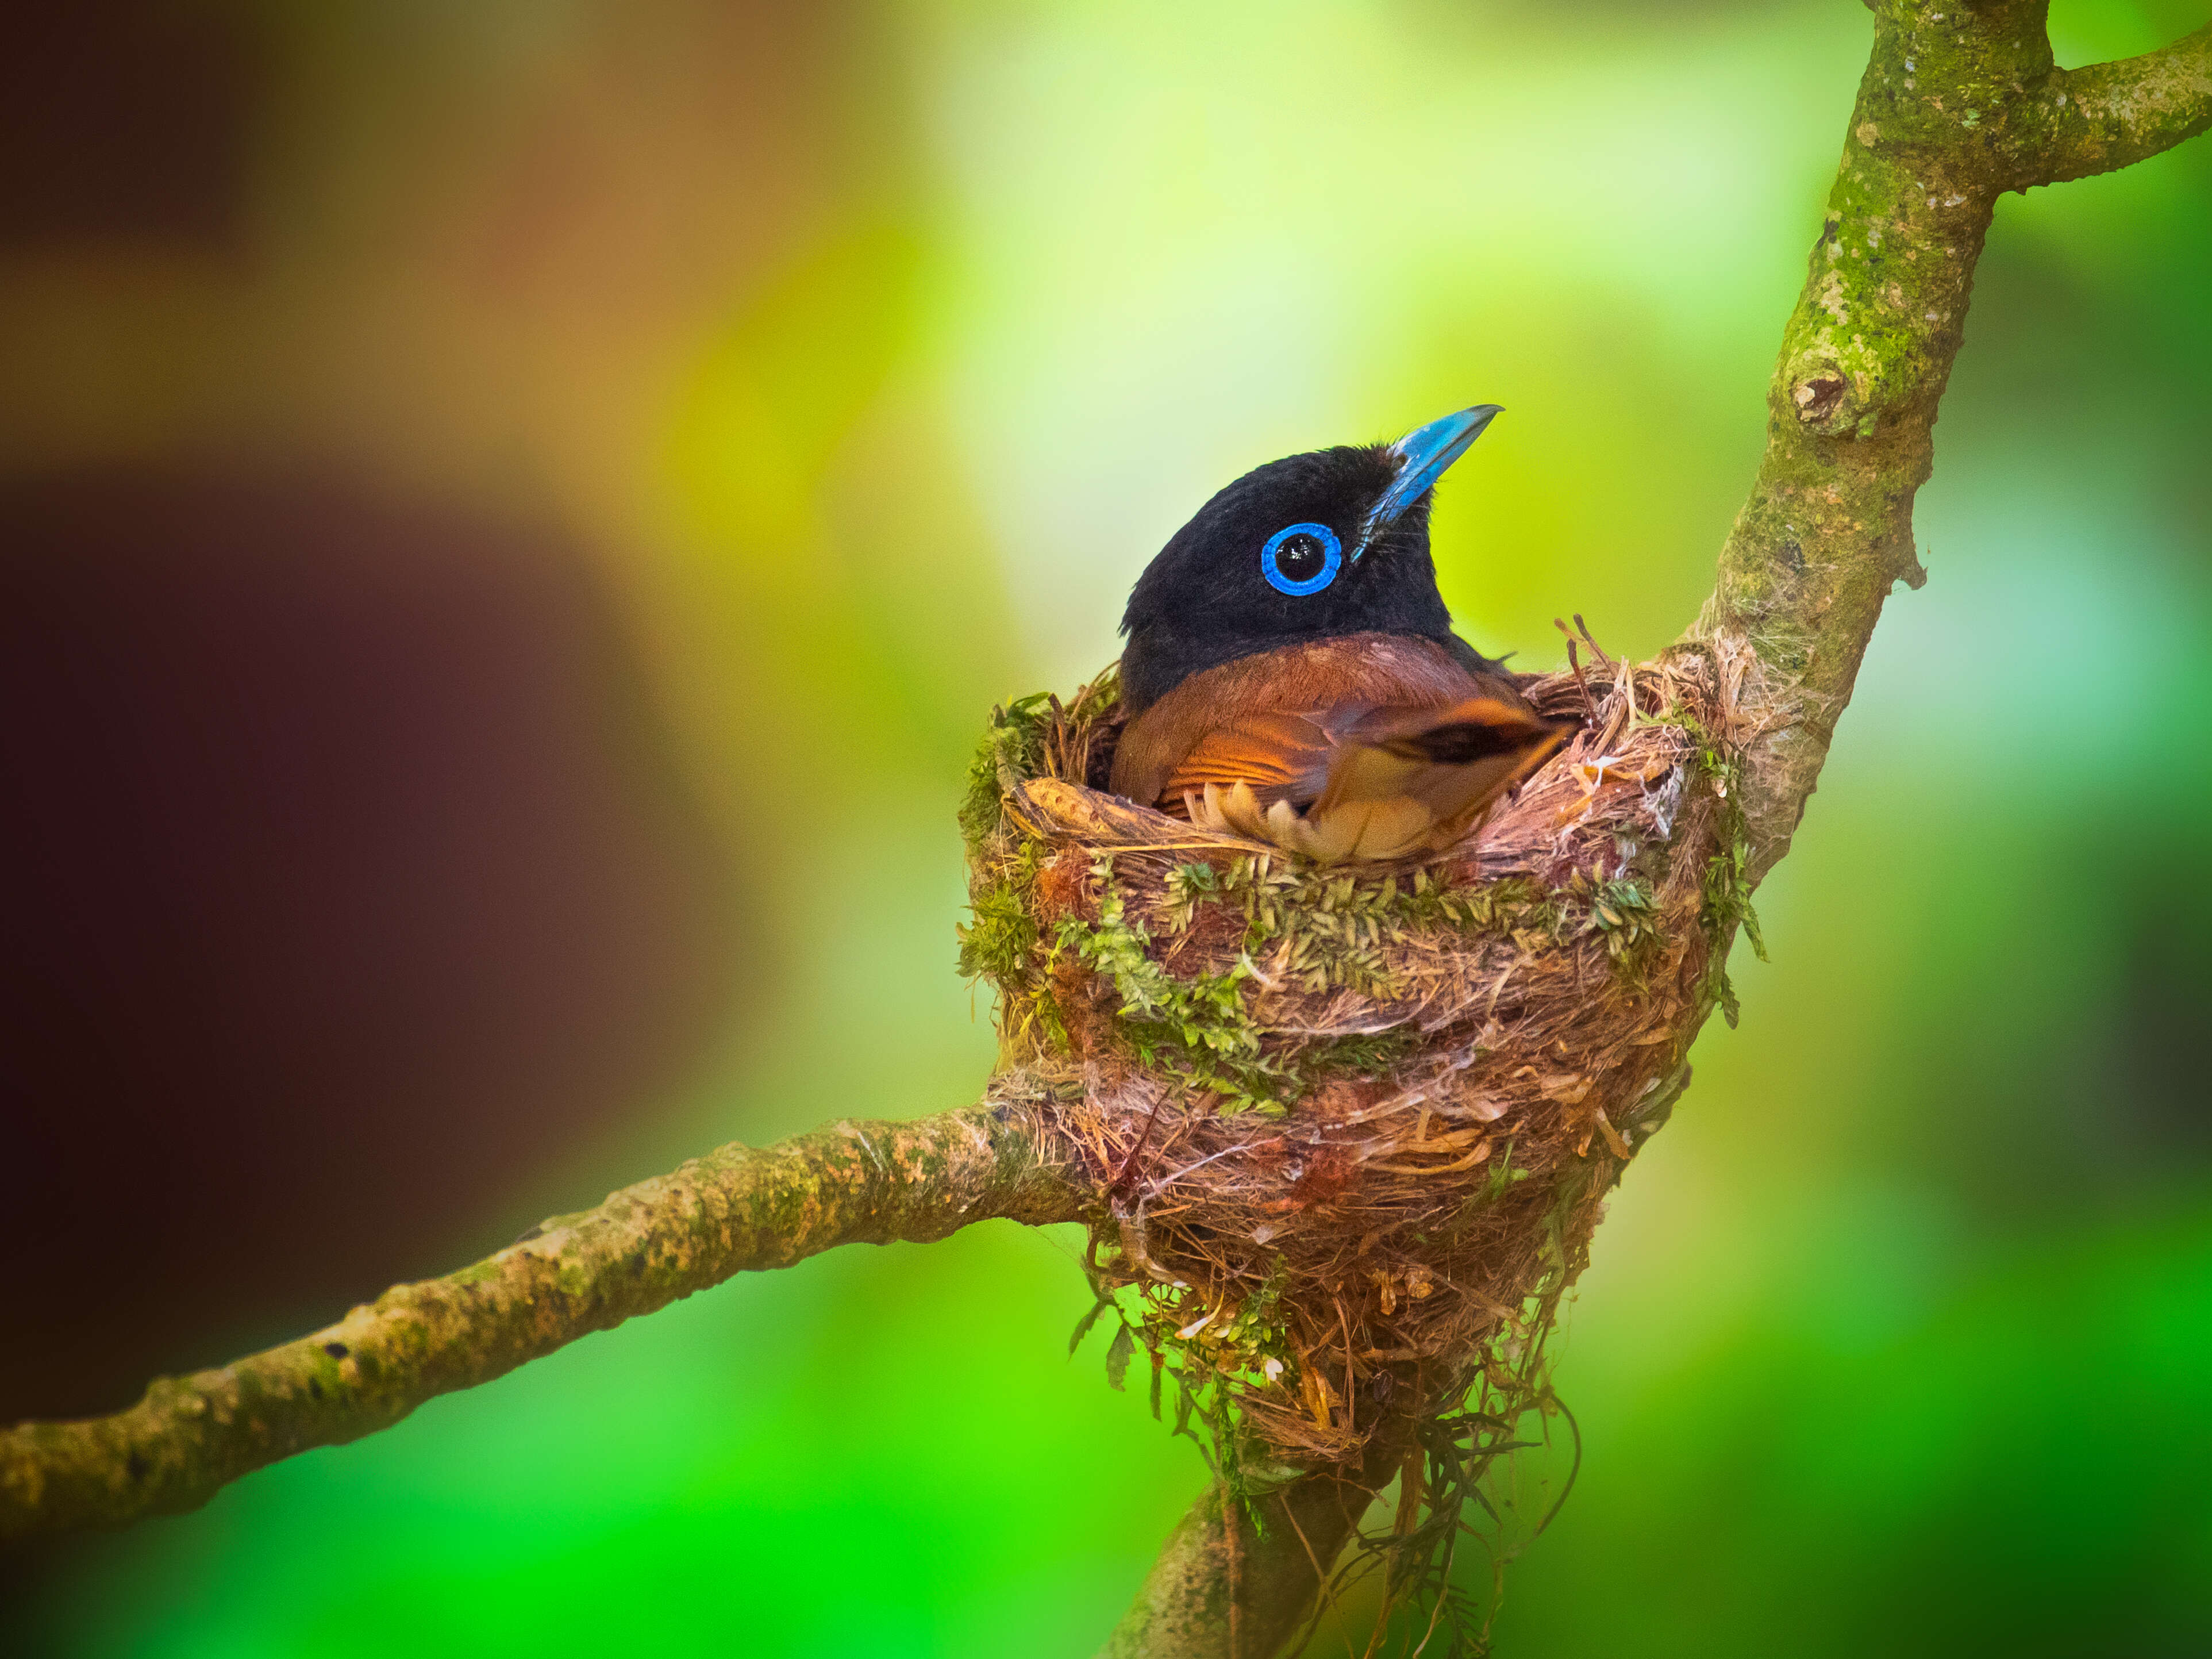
1122,1182
1596,649
1589,703
1624,675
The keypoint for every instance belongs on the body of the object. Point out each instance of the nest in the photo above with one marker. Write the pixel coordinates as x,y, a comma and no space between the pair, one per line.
1351,1130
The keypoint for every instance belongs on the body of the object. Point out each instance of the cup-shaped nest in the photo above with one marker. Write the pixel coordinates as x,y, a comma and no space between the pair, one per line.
1351,1128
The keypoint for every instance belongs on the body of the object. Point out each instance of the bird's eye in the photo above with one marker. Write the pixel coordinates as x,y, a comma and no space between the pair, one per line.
1301,558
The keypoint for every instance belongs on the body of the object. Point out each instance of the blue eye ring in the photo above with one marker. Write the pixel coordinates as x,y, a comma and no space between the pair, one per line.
1332,551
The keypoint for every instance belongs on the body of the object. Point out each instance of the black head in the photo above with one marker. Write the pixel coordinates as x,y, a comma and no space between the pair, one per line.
1333,542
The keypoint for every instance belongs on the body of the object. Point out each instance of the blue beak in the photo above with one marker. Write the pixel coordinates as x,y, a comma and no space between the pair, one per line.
1423,454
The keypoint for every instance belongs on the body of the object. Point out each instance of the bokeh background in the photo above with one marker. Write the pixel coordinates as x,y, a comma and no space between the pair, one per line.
512,514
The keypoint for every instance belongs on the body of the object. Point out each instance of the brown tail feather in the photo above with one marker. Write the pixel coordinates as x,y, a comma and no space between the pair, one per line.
1406,780
1399,781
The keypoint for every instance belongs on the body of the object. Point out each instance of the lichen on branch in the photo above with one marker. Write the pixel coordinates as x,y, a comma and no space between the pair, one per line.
2110,116
1959,104
736,1208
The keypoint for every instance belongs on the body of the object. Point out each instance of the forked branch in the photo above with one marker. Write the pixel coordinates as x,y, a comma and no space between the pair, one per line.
1961,102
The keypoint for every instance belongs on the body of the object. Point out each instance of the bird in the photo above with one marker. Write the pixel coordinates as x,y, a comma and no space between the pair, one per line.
1292,674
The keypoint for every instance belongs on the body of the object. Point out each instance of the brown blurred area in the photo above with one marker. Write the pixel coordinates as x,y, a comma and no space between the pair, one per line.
346,899
352,898
125,121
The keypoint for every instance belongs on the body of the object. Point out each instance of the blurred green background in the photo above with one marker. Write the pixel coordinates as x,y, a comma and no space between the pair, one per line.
842,364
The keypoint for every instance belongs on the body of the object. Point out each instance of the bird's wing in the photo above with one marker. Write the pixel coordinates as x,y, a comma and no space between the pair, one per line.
1329,681
1404,779
1279,755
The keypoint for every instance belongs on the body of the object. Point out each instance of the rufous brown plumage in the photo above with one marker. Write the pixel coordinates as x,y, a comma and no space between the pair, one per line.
1291,674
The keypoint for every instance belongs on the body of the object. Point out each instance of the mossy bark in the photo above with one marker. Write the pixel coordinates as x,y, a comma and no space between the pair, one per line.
1961,103
1223,1585
735,1210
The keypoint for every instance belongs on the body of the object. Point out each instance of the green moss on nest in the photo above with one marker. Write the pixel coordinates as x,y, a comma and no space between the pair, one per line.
1012,749
1326,929
1725,903
1001,941
1199,1030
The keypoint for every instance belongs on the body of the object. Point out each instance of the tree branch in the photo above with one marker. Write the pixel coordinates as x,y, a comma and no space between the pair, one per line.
2109,116
1208,1597
648,1245
1960,103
